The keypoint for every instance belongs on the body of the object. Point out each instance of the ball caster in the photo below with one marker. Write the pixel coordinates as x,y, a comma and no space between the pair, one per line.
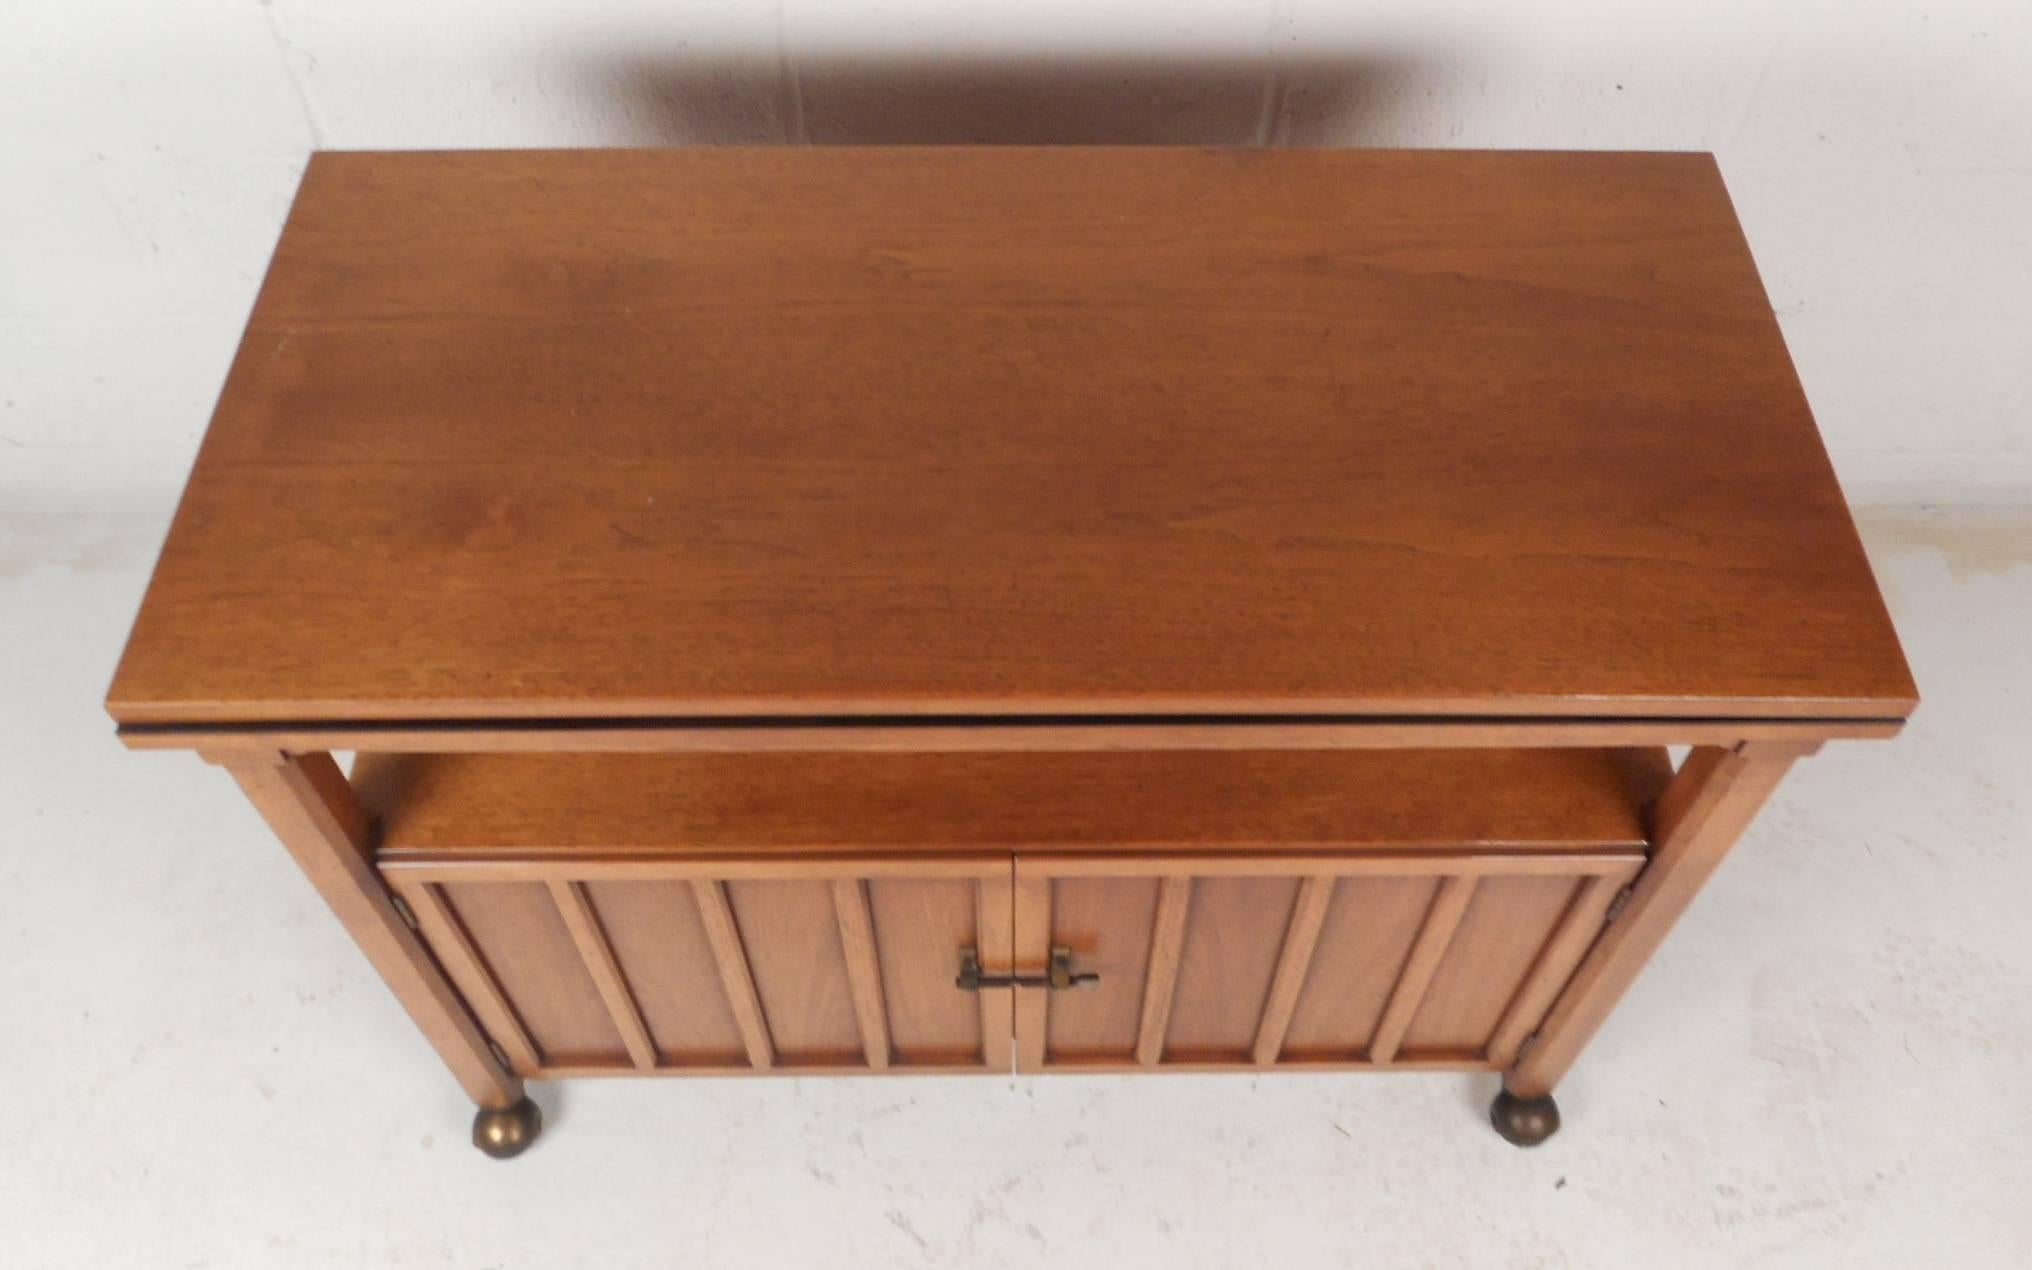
506,1132
1524,1122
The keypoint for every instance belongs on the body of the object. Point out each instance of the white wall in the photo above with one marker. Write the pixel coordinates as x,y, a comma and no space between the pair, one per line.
1880,152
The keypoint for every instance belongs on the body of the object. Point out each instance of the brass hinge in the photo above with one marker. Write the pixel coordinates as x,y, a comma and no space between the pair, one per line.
1617,905
403,911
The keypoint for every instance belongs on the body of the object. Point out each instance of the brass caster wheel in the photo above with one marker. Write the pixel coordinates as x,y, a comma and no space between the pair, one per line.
1524,1122
506,1132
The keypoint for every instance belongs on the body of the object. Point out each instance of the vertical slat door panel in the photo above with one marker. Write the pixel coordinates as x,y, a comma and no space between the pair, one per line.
597,955
792,939
749,971
1233,933
1362,945
1363,960
1435,938
464,965
527,948
1507,921
730,963
1294,963
1106,923
919,928
656,935
864,970
1203,961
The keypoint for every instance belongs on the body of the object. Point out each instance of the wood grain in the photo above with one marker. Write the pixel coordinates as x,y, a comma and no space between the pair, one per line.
1034,912
656,934
1294,959
920,926
598,955
1106,923
1499,937
995,925
793,948
454,947
1367,937
1167,941
656,434
524,941
1578,928
1063,735
731,960
864,971
1227,964
1426,954
759,804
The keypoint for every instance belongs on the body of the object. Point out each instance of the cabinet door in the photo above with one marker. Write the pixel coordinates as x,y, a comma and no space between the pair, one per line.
664,966
1382,960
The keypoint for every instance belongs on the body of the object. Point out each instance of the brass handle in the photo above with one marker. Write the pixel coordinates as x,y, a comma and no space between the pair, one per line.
1060,977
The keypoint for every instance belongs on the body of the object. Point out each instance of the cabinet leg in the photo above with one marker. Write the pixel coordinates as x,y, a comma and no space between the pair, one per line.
308,804
1524,1122
1705,808
506,1132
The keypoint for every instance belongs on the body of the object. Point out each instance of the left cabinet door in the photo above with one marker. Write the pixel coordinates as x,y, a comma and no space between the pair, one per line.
579,965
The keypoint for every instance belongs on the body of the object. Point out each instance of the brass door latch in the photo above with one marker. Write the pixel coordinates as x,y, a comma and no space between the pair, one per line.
1060,976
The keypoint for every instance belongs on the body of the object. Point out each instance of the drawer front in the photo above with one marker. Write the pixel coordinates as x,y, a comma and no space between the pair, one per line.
1445,961
652,966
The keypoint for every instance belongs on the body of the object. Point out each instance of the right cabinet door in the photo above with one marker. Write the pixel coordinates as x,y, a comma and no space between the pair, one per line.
1257,960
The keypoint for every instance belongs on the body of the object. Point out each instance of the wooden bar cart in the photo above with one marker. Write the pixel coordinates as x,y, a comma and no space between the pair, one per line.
839,611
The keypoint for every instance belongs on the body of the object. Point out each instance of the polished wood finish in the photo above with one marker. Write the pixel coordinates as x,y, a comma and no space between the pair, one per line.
1448,903
731,960
857,940
734,971
306,802
1363,943
836,892
1160,980
577,911
1360,961
757,805
1201,432
1000,946
1301,936
1578,926
1031,915
756,581
454,947
1058,736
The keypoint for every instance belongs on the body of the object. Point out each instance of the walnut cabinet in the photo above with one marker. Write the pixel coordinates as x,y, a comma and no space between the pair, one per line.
1016,609
629,915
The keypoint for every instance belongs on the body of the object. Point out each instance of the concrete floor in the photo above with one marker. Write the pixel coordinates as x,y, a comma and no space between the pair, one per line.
1829,1065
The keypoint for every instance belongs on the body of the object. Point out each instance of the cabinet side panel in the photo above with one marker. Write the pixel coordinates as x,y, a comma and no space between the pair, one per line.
1106,923
1363,943
792,938
1234,931
1506,924
517,931
920,928
655,933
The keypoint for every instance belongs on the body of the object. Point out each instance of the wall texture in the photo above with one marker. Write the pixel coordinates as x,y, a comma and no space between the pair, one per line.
1880,153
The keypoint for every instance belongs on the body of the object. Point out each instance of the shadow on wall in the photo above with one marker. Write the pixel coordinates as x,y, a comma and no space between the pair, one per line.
1075,100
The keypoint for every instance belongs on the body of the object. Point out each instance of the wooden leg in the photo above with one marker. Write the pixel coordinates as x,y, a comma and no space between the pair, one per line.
306,801
1709,803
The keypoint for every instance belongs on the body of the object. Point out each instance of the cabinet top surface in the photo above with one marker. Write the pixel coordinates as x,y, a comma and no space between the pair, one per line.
830,432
